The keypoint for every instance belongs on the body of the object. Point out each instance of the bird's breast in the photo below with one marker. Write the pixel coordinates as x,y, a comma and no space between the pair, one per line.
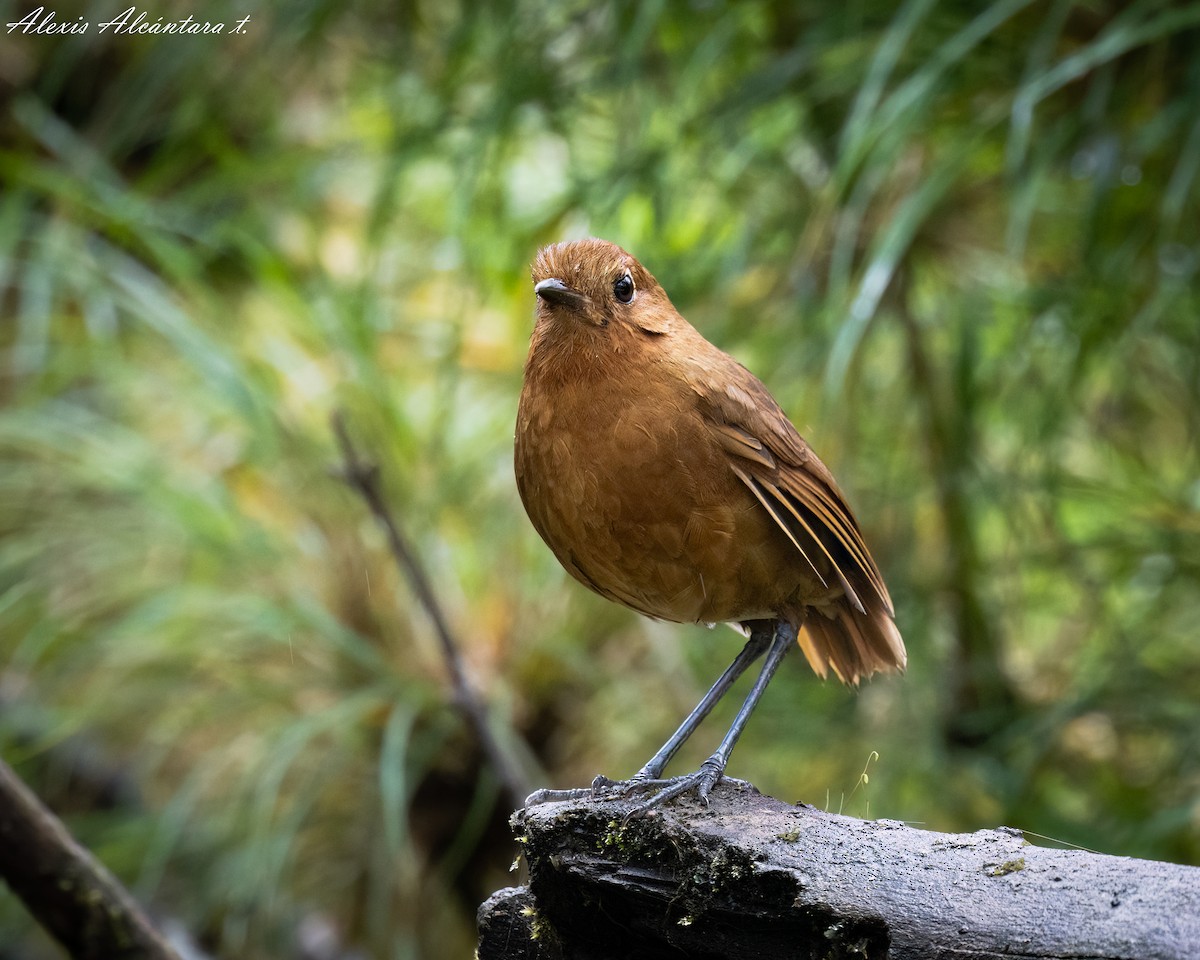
626,482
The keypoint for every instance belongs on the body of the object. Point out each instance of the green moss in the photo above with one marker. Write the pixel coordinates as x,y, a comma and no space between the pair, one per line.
1009,866
539,926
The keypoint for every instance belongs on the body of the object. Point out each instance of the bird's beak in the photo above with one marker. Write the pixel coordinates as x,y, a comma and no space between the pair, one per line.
555,291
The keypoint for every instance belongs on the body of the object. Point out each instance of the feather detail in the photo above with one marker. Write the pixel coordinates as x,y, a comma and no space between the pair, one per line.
826,505
753,429
855,645
772,507
738,442
855,636
796,512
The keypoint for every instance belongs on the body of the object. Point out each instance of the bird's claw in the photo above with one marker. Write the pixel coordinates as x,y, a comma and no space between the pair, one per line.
550,796
701,783
603,786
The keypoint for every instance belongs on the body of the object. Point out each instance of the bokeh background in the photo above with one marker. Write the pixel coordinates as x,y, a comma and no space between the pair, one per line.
958,241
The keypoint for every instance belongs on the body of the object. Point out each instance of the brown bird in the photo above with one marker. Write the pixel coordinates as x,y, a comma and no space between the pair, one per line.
665,477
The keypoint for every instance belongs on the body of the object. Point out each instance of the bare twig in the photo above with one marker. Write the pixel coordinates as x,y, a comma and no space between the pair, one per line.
65,888
363,476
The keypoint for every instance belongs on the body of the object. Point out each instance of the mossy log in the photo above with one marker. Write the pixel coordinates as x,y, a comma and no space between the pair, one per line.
750,876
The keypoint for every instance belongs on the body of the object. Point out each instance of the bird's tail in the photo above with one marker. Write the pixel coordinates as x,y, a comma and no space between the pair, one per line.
853,643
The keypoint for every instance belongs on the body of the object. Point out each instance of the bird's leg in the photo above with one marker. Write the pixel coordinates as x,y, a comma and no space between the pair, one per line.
760,640
713,769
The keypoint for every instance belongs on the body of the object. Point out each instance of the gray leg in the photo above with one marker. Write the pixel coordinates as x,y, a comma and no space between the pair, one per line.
760,640
713,769
758,643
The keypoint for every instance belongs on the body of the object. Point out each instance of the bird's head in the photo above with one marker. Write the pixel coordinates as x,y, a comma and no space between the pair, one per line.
596,284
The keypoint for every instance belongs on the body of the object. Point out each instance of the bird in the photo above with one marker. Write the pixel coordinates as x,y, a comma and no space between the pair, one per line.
664,476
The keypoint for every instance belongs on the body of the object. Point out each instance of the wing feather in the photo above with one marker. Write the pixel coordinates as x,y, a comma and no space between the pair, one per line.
767,454
783,473
772,505
825,504
796,514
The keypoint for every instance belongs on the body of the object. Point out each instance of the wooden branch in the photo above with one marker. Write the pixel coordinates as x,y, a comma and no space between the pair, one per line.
363,476
753,877
65,888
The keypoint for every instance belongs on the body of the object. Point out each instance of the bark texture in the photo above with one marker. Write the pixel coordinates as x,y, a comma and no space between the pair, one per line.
750,876
64,887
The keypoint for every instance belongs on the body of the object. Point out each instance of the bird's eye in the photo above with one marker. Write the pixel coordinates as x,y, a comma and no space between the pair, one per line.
623,288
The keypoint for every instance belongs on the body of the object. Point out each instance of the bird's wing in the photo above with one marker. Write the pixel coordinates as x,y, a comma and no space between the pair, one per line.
786,477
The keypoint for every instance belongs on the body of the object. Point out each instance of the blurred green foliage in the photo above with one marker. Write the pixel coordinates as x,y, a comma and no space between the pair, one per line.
959,242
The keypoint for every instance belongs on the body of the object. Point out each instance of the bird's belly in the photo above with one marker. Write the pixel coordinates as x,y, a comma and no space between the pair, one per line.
653,517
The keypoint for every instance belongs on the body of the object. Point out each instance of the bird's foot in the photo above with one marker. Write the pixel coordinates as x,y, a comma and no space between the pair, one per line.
701,783
550,796
602,788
